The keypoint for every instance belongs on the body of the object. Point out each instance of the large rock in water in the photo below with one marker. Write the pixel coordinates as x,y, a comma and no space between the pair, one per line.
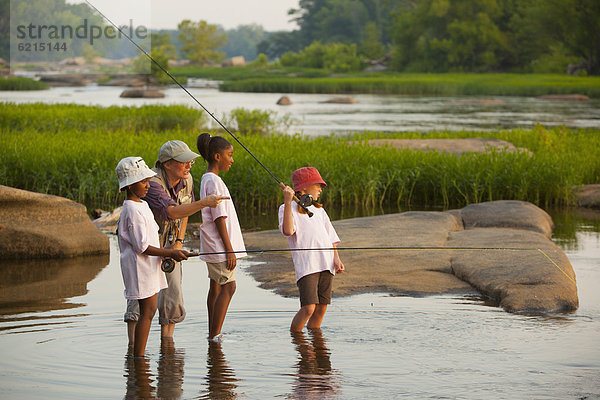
34,225
505,254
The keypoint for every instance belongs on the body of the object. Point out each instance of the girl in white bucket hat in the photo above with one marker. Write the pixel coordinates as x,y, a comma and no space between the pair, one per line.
140,247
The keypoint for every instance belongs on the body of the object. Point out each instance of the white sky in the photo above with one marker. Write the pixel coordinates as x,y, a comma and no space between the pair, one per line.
166,14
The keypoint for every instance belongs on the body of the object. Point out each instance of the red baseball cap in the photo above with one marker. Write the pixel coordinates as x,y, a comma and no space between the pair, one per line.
306,176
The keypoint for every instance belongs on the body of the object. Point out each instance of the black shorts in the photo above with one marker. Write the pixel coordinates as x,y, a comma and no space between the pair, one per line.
315,288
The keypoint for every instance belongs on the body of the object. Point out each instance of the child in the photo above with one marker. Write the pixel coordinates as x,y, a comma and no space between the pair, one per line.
314,269
220,232
140,248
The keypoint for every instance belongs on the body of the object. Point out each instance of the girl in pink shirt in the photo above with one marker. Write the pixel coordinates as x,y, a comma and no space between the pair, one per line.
314,269
220,232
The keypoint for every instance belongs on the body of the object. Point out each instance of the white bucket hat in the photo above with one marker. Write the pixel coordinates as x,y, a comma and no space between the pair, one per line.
131,170
176,150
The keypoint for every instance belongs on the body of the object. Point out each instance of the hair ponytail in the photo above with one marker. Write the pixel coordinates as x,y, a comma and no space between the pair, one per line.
208,146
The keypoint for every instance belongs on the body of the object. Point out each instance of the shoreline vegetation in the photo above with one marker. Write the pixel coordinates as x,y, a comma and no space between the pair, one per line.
294,80
306,80
72,150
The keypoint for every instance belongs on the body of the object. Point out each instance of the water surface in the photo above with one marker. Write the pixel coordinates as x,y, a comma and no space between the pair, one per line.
371,112
62,337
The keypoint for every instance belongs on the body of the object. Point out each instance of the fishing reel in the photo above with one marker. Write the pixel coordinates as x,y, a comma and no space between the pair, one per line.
167,265
304,201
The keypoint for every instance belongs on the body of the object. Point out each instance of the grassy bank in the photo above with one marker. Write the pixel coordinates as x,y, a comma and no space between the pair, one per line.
304,80
425,84
76,159
16,83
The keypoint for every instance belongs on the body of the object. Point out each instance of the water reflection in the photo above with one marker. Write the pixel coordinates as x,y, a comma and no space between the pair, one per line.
139,379
315,378
170,370
140,382
43,285
220,378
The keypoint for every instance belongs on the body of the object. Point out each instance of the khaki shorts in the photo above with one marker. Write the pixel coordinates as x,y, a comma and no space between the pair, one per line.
315,288
219,273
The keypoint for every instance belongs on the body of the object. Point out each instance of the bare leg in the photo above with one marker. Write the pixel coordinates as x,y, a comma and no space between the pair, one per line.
142,328
130,336
213,292
220,308
301,317
166,331
317,317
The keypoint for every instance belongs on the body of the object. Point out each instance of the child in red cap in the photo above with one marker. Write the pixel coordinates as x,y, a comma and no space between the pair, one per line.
314,269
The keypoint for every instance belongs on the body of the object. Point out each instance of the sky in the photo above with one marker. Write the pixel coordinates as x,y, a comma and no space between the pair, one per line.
166,14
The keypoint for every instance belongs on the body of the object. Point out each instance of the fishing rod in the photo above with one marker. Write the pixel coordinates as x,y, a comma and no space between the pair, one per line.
168,264
281,184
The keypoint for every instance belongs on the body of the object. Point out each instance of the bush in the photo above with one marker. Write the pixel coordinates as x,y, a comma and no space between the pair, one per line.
22,84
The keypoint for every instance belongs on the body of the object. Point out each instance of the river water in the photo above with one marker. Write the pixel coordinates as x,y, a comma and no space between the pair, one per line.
311,116
62,335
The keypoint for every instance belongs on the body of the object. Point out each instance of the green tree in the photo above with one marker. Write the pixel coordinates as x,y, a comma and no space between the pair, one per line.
450,35
243,40
162,50
572,24
370,46
200,41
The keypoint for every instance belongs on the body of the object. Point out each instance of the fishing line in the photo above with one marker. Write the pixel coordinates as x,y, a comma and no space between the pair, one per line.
281,184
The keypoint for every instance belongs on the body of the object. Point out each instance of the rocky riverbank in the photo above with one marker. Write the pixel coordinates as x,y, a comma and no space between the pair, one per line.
537,277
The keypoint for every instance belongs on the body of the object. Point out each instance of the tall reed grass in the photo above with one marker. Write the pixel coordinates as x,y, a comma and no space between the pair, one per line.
424,84
73,158
18,83
58,117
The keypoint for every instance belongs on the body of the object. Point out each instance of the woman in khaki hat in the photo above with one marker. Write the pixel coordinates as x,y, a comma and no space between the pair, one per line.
171,199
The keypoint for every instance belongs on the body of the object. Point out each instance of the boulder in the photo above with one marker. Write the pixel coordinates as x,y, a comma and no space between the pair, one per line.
34,225
499,257
107,222
588,196
142,94
284,101
341,100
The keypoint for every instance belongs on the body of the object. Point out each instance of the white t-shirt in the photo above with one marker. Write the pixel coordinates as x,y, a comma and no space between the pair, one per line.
210,240
142,275
311,232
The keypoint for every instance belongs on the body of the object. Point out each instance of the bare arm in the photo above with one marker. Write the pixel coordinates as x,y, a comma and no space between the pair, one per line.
287,225
185,210
175,254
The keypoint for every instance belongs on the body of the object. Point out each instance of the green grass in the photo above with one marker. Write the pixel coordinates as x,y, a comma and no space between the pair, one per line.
425,84
54,118
75,158
22,84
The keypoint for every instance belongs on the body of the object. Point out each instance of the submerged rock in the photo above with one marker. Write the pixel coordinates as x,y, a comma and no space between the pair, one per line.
34,225
588,196
142,94
341,100
519,280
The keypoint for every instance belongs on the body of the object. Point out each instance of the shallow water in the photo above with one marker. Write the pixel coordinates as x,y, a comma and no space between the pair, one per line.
62,337
371,112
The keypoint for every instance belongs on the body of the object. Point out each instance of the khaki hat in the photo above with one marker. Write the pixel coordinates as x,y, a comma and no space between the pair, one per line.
131,170
176,150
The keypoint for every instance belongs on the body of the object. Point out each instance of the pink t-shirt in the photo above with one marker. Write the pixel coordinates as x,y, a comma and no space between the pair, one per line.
142,275
210,240
311,232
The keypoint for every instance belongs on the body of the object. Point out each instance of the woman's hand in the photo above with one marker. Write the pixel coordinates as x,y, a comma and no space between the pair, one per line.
213,200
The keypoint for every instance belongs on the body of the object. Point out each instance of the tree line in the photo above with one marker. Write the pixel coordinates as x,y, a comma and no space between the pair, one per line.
406,35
